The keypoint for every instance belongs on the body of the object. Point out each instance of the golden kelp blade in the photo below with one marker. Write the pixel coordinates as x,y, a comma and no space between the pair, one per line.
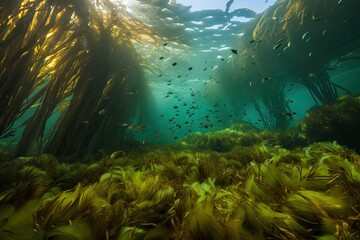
69,56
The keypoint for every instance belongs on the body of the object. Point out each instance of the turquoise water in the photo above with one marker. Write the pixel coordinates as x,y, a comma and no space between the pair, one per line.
187,101
216,63
151,119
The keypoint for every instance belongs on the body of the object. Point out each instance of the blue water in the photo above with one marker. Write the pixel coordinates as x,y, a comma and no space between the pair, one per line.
185,69
186,101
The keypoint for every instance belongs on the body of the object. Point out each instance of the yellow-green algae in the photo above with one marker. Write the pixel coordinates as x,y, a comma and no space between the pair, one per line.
258,191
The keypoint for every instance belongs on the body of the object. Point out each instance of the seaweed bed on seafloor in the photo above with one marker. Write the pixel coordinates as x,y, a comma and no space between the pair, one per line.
193,189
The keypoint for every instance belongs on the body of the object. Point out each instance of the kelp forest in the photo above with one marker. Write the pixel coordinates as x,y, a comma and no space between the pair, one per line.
293,42
150,119
72,60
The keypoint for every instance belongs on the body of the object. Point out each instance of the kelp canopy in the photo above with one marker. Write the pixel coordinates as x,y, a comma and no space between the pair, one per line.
291,42
72,61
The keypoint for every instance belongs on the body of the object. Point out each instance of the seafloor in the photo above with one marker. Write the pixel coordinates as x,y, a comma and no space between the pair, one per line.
236,183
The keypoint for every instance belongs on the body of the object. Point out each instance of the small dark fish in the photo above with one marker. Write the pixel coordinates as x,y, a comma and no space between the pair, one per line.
174,64
266,78
165,44
117,154
175,107
252,41
235,51
161,58
160,75
277,45
222,59
179,76
205,69
190,68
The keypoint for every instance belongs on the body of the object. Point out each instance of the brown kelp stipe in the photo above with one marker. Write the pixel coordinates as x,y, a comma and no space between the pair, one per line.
72,62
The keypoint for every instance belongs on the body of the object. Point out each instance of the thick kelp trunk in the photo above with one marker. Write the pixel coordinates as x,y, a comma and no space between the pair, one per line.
293,40
74,60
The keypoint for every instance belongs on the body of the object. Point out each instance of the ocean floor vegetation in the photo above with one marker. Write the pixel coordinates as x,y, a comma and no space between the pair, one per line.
338,121
237,183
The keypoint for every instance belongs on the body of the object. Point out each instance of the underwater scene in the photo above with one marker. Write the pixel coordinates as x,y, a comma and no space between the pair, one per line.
179,119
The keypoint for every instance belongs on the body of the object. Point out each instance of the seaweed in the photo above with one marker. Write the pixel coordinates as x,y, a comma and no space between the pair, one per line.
335,122
66,69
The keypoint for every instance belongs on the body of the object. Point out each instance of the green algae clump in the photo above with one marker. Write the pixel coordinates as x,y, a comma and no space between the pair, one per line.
335,122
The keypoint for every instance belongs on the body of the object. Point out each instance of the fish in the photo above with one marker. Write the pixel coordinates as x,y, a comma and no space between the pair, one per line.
174,64
165,44
102,111
252,41
315,19
190,68
117,154
266,78
235,51
277,45
161,58
304,35
280,40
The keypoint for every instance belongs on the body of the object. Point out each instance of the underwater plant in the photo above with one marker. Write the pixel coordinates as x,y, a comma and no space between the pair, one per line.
67,68
255,192
290,43
338,121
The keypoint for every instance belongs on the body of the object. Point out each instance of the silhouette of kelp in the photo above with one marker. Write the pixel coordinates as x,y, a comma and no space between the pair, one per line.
292,41
73,61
